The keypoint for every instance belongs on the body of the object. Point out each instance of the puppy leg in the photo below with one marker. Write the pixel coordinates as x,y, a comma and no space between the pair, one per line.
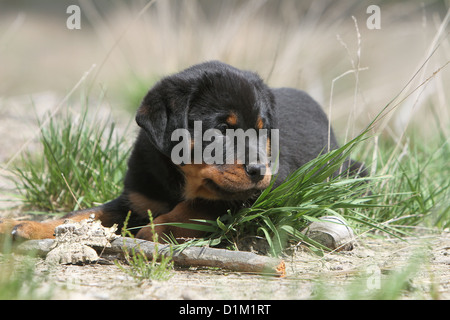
184,212
108,214
45,229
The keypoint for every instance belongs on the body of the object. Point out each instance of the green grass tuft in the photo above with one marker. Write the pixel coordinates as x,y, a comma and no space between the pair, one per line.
139,267
83,163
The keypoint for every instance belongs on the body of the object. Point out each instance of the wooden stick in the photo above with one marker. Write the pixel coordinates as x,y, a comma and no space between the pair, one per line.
239,261
207,257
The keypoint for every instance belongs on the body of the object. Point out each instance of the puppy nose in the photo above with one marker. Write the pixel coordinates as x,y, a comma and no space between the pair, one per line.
255,171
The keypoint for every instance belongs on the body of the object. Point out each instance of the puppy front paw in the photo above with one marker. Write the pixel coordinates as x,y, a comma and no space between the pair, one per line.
26,230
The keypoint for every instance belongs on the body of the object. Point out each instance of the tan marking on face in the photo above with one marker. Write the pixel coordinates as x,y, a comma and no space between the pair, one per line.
195,175
232,178
264,183
259,123
232,119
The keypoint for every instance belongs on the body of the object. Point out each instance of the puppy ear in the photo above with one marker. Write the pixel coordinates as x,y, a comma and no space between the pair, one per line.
163,110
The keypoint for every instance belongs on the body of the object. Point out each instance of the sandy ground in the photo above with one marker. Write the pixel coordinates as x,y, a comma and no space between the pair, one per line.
371,266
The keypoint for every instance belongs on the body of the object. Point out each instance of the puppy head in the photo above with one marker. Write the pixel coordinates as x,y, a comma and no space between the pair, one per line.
220,98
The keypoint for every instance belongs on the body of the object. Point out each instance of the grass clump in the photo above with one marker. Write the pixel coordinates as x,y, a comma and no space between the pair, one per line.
83,163
419,187
139,266
279,214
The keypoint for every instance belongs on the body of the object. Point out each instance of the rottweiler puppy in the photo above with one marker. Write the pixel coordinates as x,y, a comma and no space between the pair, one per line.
218,97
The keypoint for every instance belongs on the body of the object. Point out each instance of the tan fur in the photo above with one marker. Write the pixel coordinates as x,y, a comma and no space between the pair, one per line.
259,123
232,119
231,177
141,204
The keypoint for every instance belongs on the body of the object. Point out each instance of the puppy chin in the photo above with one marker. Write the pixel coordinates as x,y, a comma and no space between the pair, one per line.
227,193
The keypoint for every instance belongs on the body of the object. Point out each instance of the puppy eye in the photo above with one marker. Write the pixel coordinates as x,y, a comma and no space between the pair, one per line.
222,127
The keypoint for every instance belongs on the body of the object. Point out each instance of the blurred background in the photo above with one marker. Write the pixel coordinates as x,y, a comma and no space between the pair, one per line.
324,47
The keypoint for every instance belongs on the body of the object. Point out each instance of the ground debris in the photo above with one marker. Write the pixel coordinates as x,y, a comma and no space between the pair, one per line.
74,241
332,232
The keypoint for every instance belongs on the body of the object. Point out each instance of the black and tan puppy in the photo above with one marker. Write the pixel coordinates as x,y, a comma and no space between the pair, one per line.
219,97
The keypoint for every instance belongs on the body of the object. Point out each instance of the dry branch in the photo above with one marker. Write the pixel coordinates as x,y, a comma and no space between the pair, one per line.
239,261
